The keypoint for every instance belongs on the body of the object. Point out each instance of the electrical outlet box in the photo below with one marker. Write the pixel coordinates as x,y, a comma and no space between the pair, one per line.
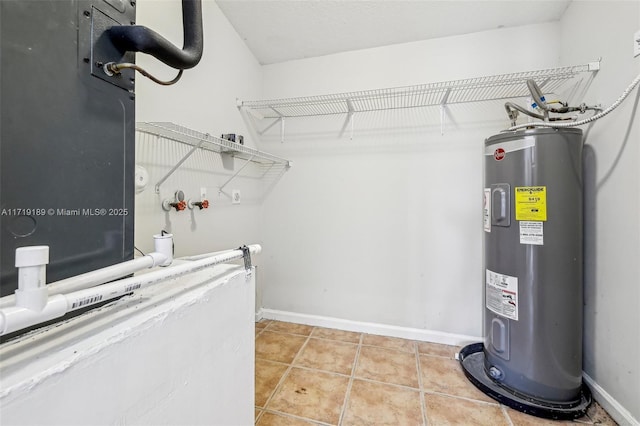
636,44
235,196
203,193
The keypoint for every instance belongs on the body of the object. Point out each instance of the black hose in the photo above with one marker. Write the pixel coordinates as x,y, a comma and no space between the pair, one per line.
137,38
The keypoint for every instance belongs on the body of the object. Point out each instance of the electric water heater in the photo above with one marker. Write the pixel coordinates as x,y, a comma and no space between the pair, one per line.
531,358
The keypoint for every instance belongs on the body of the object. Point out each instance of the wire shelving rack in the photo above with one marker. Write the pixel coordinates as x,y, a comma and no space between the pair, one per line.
478,89
197,140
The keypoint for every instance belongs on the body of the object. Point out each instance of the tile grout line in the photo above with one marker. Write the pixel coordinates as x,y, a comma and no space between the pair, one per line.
293,416
479,401
504,411
286,373
255,421
317,370
423,404
257,418
350,384
378,382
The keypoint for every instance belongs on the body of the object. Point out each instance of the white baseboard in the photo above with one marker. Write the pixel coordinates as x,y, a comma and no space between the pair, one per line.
371,328
259,315
613,407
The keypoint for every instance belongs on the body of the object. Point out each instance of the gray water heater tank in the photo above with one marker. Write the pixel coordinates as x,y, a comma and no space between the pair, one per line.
531,357
533,262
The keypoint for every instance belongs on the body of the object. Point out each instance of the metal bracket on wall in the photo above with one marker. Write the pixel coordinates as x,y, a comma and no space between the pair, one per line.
179,163
102,48
443,106
246,255
235,174
280,120
349,120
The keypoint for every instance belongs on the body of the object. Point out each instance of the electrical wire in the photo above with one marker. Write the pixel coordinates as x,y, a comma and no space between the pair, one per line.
139,251
613,106
113,68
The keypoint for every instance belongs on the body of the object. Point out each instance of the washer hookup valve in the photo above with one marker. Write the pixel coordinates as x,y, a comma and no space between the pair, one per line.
177,203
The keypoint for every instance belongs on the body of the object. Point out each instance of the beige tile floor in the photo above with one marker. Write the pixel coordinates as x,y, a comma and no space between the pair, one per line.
317,376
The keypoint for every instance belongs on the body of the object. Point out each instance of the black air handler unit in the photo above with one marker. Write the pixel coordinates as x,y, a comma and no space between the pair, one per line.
67,137
68,127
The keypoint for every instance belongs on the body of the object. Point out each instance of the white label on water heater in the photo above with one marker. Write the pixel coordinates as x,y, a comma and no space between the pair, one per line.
531,233
501,294
486,210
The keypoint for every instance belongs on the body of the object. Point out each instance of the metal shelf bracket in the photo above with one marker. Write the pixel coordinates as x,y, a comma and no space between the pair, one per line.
443,106
179,163
349,119
235,174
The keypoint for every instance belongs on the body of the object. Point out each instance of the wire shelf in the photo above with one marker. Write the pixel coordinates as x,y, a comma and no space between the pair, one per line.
268,163
504,86
211,143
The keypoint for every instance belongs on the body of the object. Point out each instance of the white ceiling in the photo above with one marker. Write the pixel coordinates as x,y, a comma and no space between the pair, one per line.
282,30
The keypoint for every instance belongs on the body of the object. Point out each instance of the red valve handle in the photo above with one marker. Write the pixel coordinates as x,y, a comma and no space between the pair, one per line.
204,204
180,205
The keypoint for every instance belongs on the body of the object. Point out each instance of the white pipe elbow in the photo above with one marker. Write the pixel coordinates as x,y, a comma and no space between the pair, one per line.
31,262
163,247
18,317
159,259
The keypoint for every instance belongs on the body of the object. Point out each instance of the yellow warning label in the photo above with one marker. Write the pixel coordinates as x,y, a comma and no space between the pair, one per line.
531,203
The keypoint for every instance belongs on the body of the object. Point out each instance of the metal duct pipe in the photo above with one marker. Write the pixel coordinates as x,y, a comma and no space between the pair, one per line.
138,38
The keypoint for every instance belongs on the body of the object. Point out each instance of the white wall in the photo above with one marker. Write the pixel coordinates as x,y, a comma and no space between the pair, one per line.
386,228
612,231
203,100
180,352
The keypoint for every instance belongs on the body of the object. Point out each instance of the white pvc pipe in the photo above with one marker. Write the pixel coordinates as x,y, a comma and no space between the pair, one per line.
93,278
163,256
203,255
16,318
163,243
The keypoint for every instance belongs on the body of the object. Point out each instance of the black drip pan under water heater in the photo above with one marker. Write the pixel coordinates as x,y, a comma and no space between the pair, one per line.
471,359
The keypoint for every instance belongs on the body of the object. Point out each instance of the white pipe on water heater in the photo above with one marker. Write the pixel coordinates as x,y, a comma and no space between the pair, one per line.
17,318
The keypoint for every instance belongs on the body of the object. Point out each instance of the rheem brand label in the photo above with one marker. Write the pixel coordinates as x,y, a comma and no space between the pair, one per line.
499,154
